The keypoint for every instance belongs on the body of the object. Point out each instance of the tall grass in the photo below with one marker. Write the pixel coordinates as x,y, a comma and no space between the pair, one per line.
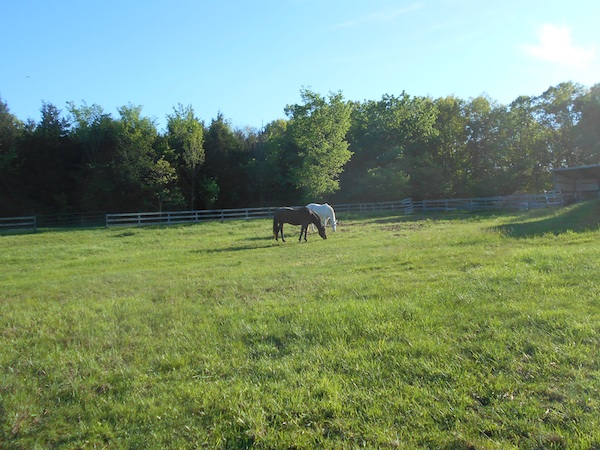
441,331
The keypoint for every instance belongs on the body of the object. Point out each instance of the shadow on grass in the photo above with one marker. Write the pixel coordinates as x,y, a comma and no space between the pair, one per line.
385,217
254,243
577,218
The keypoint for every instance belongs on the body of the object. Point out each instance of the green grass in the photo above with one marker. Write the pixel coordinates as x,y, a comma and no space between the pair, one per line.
442,331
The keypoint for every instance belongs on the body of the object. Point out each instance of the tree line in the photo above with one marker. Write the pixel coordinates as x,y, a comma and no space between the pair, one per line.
327,149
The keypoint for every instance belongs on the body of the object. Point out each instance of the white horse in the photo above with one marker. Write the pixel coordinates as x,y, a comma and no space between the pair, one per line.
325,212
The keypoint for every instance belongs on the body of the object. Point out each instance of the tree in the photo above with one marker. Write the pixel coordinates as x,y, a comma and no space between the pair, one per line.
587,130
389,138
271,159
186,137
226,163
11,129
49,164
94,135
161,180
484,147
527,153
319,130
135,155
556,111
448,147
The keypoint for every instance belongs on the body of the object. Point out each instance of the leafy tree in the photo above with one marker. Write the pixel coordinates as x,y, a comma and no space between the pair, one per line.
186,137
209,191
319,130
272,156
413,126
363,151
587,130
389,138
11,130
161,180
94,135
48,168
557,112
226,160
528,156
483,147
135,155
448,147
86,126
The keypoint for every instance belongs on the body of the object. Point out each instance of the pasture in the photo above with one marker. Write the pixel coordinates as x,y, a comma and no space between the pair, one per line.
449,331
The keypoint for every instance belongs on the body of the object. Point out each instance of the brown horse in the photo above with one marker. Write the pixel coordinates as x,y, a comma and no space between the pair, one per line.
296,216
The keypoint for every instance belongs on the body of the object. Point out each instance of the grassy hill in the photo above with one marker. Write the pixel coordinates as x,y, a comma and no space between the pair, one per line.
456,331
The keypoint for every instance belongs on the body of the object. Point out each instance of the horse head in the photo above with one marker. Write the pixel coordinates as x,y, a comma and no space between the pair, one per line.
321,229
315,219
322,232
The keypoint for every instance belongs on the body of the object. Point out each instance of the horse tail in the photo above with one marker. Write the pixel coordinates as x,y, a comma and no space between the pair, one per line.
275,228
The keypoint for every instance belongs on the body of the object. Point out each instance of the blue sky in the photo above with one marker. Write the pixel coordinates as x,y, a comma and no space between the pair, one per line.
249,59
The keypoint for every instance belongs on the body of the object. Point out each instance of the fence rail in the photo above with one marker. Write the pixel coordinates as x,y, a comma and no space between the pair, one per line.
18,223
175,217
511,202
406,206
460,204
72,220
168,218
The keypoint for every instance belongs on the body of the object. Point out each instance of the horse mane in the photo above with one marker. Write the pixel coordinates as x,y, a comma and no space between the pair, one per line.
316,219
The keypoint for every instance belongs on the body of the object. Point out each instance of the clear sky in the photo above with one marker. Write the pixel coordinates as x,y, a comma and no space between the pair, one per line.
248,59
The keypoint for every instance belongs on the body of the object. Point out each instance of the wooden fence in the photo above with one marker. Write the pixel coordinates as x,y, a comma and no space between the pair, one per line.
405,206
460,204
72,220
511,202
175,217
18,223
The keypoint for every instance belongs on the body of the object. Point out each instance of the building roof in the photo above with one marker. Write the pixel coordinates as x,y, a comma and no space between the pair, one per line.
592,171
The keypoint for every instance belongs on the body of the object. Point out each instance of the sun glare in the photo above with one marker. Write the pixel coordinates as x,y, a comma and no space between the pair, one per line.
556,46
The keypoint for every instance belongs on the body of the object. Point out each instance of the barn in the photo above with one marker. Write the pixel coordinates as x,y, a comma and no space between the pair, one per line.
579,183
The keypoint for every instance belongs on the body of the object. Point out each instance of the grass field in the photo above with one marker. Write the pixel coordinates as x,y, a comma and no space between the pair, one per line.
449,331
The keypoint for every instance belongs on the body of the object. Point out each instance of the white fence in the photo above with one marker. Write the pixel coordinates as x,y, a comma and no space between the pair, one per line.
175,217
405,206
554,198
519,202
18,223
460,204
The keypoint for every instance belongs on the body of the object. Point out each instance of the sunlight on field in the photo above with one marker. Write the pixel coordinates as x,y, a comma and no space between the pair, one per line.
437,331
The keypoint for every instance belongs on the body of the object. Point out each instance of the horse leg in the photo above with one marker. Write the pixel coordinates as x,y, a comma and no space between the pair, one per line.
277,229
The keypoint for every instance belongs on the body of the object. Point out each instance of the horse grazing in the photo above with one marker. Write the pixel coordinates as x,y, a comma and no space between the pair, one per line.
296,216
325,212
